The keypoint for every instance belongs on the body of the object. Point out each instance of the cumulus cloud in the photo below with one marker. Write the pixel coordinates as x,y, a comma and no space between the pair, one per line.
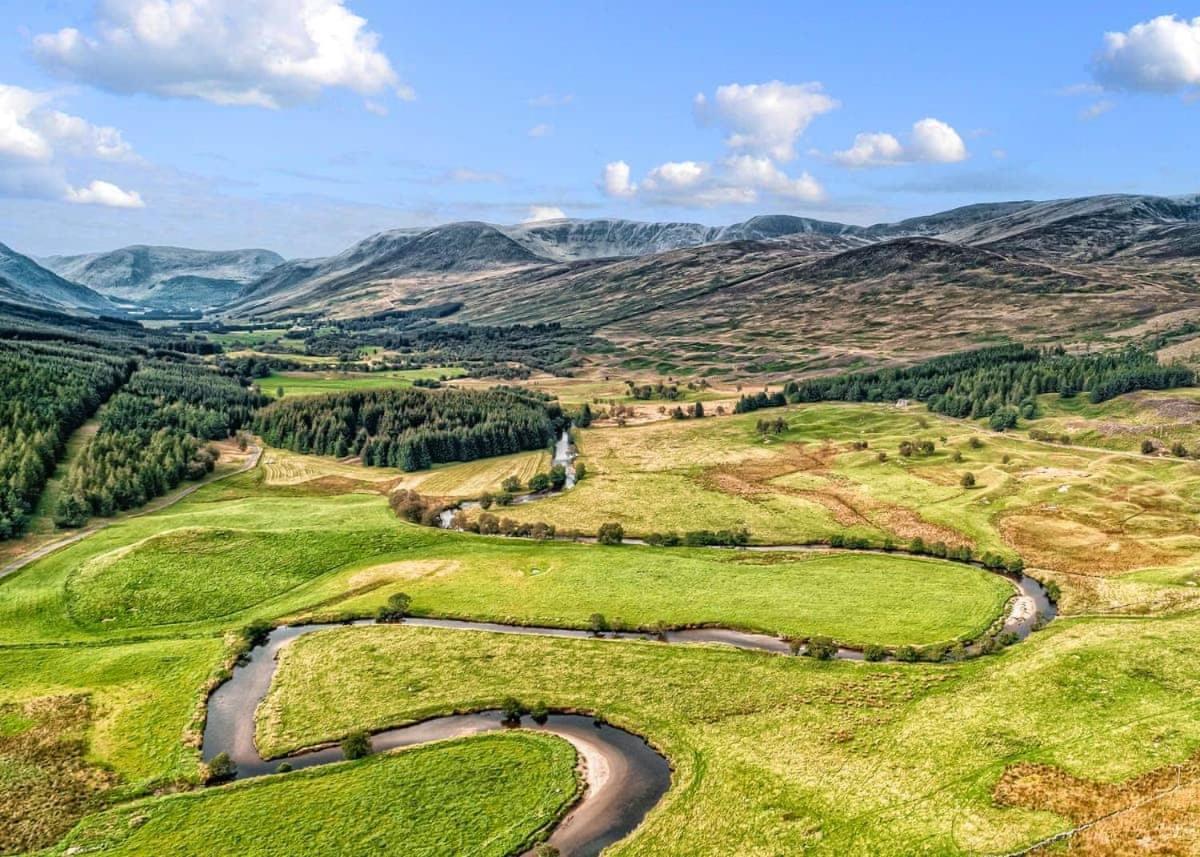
266,53
541,130
36,140
538,213
736,180
765,118
104,193
931,141
1159,55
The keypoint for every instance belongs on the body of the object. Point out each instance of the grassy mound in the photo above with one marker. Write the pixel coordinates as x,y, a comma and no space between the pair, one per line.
486,795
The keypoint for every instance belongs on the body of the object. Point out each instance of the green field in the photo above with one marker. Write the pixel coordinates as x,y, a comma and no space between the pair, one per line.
112,644
487,795
786,756
311,383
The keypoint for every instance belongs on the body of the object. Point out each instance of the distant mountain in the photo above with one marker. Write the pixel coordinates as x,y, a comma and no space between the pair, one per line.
170,278
26,283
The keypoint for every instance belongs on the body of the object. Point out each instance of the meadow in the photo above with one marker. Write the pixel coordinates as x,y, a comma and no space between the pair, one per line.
113,643
314,382
487,796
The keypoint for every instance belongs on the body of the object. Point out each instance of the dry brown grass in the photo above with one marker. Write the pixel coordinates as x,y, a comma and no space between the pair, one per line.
1048,538
46,783
1157,813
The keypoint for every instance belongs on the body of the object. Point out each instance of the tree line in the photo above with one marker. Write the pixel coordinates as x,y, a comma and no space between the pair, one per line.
151,437
412,429
47,390
999,383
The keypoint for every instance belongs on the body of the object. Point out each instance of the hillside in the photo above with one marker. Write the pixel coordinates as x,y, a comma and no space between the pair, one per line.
169,278
26,283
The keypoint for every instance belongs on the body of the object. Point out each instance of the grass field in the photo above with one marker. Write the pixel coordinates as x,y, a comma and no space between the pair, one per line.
113,641
486,795
311,383
778,755
473,478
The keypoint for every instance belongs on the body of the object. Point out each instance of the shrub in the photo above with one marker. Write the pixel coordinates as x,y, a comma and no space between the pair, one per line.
580,471
256,632
1003,419
511,484
968,480
539,482
795,645
540,712
610,534
975,443
557,477
1053,591
512,710
545,849
1008,638
356,745
504,498
1147,446
822,648
396,608
881,456
283,768
874,652
907,654
221,768
485,501
597,624
1179,450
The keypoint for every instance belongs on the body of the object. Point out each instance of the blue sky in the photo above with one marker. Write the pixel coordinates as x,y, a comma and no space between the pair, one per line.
177,129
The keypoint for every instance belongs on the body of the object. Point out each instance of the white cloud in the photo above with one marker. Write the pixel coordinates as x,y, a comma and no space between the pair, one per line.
376,107
736,180
265,53
105,193
765,118
35,139
1159,55
551,100
538,213
1076,89
931,141
1099,108
615,181
542,130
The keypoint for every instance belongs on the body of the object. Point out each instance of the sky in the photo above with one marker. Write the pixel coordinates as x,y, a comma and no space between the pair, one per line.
303,126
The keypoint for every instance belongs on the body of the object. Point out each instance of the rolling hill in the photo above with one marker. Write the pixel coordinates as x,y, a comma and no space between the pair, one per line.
26,283
168,278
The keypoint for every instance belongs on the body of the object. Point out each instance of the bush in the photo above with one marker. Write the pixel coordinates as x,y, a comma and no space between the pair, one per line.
822,648
597,624
511,485
486,500
283,768
558,477
1053,591
1147,447
395,610
795,645
580,471
610,534
539,482
356,745
874,652
968,480
256,632
546,850
221,768
540,712
907,654
512,710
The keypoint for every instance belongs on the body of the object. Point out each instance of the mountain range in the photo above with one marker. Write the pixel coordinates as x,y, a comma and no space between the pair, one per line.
167,278
769,291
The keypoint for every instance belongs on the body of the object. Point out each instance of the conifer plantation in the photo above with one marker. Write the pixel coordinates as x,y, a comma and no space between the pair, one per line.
995,383
151,438
47,390
412,429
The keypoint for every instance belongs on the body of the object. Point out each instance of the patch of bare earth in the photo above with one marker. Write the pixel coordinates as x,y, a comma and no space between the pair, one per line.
1157,813
1048,539
46,783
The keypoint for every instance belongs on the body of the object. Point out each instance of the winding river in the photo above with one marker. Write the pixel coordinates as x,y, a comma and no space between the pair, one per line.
624,776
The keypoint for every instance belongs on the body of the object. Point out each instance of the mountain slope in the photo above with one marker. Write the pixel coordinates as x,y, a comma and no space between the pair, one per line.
173,278
25,282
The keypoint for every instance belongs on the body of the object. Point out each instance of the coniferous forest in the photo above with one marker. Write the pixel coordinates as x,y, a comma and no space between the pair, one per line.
151,438
989,382
412,429
47,390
